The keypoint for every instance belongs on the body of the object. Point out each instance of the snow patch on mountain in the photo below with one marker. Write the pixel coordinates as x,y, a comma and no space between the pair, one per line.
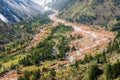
3,18
17,19
18,10
54,4
42,2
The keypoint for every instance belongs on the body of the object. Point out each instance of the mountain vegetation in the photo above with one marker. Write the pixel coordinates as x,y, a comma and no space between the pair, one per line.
43,61
102,66
17,36
45,51
35,63
6,33
92,12
59,5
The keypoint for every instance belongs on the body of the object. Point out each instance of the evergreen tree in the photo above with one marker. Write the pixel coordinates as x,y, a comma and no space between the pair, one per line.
52,74
94,72
108,72
37,75
104,57
0,65
118,68
20,78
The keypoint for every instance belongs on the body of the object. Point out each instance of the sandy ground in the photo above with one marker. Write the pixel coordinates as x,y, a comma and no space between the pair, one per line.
11,76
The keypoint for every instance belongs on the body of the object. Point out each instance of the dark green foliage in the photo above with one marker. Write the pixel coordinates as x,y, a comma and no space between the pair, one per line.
63,48
13,47
41,53
52,74
37,74
108,72
61,29
101,58
87,58
13,66
118,18
0,65
44,49
115,44
75,37
112,71
63,41
92,12
33,25
60,4
76,64
6,33
94,72
6,58
25,62
20,78
116,2
33,75
19,34
85,18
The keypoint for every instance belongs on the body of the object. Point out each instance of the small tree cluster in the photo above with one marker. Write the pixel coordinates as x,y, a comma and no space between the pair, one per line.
94,72
87,59
41,53
63,48
101,58
52,74
112,71
34,75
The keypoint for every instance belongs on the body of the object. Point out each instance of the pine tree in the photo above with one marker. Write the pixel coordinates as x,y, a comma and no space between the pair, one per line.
94,72
37,75
20,78
0,65
118,68
114,70
108,72
104,57
52,74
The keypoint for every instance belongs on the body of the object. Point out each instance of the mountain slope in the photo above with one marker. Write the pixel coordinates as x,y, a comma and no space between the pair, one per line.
18,10
59,4
12,11
7,33
49,61
54,4
92,12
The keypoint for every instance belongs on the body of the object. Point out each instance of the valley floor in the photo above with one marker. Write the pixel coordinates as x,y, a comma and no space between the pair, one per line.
92,41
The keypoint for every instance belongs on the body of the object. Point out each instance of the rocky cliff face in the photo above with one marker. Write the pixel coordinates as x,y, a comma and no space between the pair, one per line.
12,11
18,10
